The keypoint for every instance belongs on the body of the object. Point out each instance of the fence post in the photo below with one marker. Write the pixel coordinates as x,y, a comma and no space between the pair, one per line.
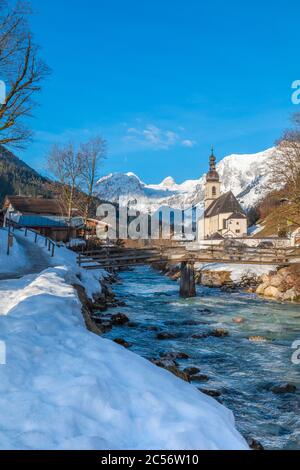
35,239
53,248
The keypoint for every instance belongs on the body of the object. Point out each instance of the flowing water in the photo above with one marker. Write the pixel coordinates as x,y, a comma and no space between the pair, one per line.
242,370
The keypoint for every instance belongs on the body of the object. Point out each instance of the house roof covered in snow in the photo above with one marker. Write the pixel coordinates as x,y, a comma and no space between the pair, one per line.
225,204
31,205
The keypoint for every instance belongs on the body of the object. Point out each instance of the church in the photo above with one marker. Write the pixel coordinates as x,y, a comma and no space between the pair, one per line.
224,217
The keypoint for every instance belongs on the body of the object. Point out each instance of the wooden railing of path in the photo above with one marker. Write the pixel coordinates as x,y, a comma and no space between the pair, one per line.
12,226
110,257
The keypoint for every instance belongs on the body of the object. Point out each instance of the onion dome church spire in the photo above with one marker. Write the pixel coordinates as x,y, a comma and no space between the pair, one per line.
212,175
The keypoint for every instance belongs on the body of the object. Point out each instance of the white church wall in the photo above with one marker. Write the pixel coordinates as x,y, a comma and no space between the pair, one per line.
238,226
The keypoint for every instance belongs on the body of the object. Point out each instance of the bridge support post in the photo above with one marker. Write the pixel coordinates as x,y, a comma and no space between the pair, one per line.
187,280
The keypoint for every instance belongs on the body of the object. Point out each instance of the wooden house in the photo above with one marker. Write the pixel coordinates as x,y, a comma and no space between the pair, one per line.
47,216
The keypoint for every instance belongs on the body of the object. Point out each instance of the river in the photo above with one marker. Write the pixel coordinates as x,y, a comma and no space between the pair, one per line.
242,370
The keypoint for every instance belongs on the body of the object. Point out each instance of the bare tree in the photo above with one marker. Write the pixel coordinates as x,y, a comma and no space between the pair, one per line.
284,168
65,165
92,154
21,70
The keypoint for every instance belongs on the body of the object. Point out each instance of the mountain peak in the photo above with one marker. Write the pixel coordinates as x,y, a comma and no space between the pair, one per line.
168,182
244,175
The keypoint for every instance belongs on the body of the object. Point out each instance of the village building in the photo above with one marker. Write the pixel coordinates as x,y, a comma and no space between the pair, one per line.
224,217
48,217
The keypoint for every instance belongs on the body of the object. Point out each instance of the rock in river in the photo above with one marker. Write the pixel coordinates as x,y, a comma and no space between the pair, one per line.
199,378
174,355
172,367
254,444
165,335
119,319
205,311
284,388
200,335
122,342
191,370
219,333
210,393
133,324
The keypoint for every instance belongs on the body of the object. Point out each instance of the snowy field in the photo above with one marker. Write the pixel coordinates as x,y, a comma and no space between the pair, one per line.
63,387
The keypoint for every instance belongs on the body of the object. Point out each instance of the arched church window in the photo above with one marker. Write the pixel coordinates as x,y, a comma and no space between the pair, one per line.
214,191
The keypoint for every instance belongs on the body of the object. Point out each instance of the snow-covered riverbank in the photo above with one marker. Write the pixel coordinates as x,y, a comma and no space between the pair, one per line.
65,388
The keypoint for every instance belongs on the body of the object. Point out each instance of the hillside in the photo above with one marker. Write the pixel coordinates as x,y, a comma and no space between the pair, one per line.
245,175
17,177
280,220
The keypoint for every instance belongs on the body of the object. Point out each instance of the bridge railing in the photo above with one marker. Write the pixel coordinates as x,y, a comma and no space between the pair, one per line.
116,256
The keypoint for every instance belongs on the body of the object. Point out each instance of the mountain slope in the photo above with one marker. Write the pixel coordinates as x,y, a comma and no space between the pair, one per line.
244,175
17,177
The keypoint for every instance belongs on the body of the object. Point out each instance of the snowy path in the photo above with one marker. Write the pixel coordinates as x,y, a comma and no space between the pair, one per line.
37,258
34,260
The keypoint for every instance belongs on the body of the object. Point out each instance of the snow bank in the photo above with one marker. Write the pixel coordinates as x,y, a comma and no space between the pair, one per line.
237,270
255,229
65,388
15,261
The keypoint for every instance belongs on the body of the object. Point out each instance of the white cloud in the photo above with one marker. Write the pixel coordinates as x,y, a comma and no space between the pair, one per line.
153,137
156,138
188,143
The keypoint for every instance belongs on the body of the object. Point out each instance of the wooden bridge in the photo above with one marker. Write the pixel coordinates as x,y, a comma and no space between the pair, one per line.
110,257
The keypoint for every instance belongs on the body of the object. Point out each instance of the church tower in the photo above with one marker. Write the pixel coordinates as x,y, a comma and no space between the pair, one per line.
212,185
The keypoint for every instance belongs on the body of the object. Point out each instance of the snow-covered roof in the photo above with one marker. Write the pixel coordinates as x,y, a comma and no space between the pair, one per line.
33,205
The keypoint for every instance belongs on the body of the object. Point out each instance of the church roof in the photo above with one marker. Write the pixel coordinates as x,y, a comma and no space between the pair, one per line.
212,175
223,205
216,236
237,215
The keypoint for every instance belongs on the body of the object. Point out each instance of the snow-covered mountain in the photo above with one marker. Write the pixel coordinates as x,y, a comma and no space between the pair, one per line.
244,175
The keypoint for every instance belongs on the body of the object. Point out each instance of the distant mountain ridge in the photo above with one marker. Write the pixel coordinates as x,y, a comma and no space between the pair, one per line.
16,177
245,175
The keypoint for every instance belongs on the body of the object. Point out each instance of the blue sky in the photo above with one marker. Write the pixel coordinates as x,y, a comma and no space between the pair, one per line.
163,80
